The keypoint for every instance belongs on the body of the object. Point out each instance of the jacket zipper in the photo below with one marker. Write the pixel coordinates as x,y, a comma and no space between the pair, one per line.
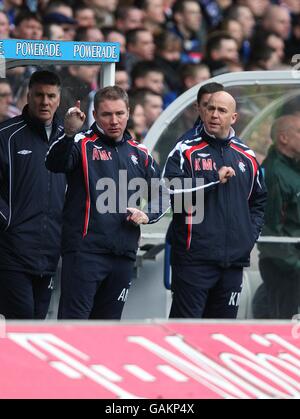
226,211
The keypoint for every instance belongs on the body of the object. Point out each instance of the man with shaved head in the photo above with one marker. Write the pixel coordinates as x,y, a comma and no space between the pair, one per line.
280,263
208,255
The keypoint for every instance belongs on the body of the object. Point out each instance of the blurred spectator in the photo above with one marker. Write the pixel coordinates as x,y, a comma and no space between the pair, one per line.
68,24
5,100
121,77
128,18
89,34
264,58
263,39
85,16
153,106
277,19
232,26
54,32
4,26
221,49
168,49
146,74
114,35
292,45
213,11
104,11
187,26
192,74
139,46
152,103
137,120
28,25
154,17
11,8
244,16
58,6
241,15
257,7
292,5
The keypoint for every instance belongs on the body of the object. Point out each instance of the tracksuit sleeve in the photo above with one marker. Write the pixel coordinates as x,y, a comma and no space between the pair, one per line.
257,203
64,155
4,213
4,206
158,201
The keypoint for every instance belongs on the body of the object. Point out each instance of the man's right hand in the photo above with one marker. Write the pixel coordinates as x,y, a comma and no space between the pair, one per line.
74,120
225,173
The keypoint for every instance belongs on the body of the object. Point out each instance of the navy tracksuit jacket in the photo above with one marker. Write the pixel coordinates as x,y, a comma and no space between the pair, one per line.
208,257
98,248
233,213
31,197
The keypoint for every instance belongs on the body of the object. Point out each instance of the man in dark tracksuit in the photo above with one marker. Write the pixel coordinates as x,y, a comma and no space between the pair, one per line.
279,263
99,248
31,203
208,257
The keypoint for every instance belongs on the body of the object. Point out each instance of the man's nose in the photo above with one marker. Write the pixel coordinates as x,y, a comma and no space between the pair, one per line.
114,119
45,100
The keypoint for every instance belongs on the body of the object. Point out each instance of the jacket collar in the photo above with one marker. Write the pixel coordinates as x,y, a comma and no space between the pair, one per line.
289,161
213,140
99,131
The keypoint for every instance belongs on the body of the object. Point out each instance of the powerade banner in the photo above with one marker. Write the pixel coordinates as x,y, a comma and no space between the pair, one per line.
59,50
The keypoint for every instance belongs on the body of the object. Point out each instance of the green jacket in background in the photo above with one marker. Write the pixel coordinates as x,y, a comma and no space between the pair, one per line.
282,214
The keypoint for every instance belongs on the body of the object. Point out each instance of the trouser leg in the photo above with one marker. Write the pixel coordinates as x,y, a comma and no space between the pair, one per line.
16,295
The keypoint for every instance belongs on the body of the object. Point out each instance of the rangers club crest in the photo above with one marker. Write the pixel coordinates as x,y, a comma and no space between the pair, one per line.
242,166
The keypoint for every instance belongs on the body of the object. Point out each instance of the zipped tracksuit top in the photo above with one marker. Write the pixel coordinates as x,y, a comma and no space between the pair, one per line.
233,212
88,158
31,198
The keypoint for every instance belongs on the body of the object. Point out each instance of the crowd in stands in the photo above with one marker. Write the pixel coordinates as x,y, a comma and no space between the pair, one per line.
167,46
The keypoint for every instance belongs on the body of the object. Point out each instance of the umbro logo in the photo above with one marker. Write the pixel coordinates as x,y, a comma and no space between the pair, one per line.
204,155
24,152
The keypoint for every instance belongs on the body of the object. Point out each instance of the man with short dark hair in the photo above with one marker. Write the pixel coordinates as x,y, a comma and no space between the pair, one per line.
100,241
31,201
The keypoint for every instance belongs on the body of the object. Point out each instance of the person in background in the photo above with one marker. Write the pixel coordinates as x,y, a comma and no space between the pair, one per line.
279,263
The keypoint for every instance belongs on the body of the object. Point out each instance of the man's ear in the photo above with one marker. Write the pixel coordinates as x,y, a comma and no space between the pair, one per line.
283,138
234,118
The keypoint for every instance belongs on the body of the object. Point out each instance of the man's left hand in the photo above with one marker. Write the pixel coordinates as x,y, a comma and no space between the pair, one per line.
137,216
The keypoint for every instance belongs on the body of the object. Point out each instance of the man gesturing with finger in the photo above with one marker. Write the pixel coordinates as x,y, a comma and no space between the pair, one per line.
208,257
100,229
